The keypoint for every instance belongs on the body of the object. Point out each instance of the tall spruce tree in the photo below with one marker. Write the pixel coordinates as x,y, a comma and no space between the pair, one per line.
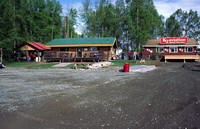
69,24
183,23
133,21
28,20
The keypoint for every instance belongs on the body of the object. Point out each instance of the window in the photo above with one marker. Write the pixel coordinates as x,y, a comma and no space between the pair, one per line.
64,49
93,49
85,49
173,49
188,49
160,50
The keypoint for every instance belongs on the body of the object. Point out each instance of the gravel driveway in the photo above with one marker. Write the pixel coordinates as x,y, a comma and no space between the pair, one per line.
166,98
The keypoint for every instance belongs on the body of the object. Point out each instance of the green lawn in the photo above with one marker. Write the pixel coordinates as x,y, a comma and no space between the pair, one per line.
121,63
30,65
42,65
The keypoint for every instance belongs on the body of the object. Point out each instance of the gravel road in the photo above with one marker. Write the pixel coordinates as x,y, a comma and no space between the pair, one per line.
166,98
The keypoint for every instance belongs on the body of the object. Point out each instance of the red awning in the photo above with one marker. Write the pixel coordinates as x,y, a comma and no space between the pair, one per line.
39,46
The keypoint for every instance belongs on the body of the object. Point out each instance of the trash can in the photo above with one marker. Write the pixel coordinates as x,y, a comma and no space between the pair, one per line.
126,67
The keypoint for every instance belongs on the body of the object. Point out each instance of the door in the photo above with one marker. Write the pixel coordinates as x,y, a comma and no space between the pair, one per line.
79,52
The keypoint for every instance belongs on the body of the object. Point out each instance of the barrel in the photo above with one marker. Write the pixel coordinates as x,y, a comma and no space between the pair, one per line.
126,67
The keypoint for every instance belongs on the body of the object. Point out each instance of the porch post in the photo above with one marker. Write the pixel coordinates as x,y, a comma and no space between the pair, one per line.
27,54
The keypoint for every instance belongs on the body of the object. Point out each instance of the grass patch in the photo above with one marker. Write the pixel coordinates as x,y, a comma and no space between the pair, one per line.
31,65
121,63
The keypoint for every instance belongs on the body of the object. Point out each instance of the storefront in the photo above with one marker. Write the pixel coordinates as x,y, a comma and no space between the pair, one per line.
177,46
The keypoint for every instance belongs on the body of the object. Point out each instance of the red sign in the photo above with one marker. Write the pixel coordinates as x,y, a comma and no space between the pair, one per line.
174,40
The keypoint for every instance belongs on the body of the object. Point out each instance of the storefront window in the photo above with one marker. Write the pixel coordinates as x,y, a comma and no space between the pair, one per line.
188,49
160,50
64,49
85,49
93,49
173,50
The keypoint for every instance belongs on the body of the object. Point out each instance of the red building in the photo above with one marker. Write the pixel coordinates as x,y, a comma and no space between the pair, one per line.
171,48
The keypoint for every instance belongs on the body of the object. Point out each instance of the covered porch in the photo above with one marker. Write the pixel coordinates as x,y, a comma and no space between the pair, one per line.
70,56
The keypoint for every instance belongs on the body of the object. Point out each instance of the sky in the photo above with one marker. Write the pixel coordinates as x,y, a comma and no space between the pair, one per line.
164,7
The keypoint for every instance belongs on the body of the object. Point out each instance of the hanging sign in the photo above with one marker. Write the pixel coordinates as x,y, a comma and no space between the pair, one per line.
174,40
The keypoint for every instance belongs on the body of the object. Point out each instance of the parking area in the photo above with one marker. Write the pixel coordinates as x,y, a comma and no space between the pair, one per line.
167,97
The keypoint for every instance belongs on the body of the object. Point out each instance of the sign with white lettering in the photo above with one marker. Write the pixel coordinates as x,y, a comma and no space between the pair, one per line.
174,40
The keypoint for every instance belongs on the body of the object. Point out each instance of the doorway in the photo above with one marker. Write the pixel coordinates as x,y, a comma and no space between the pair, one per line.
79,52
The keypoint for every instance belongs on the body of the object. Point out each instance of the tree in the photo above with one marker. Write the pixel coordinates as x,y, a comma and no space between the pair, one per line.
131,22
69,23
183,23
144,21
28,20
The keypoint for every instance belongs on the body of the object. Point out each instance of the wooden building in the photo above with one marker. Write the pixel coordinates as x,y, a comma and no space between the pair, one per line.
171,48
35,48
82,49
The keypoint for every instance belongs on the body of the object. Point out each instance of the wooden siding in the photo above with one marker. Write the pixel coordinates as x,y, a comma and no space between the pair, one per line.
107,52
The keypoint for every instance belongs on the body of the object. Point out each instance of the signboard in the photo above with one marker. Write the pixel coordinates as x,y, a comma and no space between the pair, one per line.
174,40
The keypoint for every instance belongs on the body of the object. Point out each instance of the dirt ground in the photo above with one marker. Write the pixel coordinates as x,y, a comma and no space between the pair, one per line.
166,98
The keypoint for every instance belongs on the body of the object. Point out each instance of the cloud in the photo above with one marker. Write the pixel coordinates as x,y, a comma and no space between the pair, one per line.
168,7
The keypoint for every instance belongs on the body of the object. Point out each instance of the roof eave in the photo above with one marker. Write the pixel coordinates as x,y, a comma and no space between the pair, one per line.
82,45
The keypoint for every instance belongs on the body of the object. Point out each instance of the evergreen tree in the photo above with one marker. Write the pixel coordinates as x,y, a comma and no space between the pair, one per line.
28,20
132,22
183,23
69,24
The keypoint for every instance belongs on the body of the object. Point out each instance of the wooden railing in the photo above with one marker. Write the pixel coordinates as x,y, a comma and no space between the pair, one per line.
73,56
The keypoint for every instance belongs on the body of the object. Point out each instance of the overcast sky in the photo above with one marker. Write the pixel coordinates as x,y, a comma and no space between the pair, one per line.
164,7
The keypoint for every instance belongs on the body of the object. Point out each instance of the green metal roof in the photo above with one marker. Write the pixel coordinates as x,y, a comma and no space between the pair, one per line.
76,41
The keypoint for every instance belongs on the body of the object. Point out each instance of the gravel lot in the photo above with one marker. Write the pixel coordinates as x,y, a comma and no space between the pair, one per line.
166,98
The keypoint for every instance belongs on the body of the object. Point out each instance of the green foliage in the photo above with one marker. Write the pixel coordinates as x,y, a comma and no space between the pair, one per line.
145,22
69,23
183,23
30,65
28,20
132,22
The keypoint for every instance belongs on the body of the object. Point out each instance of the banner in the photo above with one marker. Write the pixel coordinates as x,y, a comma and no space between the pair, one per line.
174,40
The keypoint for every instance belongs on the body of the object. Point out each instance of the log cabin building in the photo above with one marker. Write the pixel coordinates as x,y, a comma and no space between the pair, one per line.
35,48
82,49
171,48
